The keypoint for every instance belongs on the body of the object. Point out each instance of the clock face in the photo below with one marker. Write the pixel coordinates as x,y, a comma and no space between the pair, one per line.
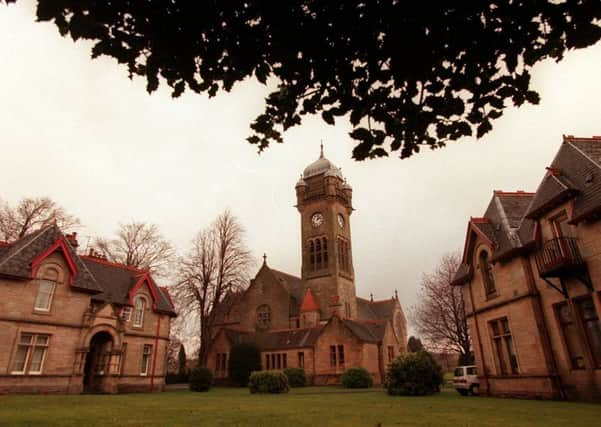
340,219
317,219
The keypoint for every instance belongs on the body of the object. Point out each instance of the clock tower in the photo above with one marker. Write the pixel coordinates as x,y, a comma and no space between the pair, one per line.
324,201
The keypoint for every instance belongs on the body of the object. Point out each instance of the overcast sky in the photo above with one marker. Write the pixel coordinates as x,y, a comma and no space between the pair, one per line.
80,132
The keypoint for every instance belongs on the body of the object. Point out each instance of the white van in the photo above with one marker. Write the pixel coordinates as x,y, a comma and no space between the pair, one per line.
466,380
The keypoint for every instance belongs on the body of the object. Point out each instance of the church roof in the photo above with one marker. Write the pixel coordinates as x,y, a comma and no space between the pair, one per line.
283,339
309,303
322,166
375,310
370,331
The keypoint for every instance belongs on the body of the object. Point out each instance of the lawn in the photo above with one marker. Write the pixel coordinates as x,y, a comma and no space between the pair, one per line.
302,407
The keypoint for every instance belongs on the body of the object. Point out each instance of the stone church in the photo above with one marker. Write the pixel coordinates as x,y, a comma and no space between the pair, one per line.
316,321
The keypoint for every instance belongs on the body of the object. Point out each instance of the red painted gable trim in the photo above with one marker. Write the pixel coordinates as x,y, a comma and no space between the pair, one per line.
3,243
472,229
144,278
61,245
514,193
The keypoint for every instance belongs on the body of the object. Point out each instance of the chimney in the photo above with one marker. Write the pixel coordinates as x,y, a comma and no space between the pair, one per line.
72,238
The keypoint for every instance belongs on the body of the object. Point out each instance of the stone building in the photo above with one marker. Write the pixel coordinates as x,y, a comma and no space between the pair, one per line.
71,323
531,276
315,321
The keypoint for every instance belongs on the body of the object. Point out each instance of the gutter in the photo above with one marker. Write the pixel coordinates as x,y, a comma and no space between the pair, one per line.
154,356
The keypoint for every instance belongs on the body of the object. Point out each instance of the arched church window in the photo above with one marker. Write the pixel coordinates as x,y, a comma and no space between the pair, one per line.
263,316
311,255
318,253
325,251
487,274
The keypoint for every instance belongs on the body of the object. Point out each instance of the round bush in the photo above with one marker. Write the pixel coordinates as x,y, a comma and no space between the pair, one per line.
357,378
268,382
296,377
244,359
414,374
201,379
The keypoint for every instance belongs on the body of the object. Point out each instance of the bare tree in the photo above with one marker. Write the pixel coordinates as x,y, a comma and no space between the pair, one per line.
32,214
140,245
439,316
216,266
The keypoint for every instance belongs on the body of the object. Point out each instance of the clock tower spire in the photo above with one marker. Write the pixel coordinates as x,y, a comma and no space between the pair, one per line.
324,201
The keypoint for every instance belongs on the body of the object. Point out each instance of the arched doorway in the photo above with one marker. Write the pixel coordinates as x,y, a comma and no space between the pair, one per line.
97,365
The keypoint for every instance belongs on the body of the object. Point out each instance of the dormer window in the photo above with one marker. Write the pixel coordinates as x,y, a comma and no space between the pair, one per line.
139,306
126,313
487,275
46,288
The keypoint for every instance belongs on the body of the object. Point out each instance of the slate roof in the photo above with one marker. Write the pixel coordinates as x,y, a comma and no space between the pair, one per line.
294,286
280,340
117,280
109,282
375,310
16,261
575,173
370,331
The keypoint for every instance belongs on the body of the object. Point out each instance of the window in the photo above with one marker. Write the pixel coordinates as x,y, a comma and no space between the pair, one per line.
343,255
592,327
301,359
145,359
31,352
503,345
276,361
390,353
263,316
341,355
337,355
332,355
221,362
472,370
126,314
279,359
347,310
570,335
267,361
318,253
44,296
139,306
487,274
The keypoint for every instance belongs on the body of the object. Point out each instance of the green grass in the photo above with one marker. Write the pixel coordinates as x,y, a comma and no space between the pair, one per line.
310,406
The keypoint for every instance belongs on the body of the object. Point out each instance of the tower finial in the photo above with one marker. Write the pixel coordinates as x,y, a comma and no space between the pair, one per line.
264,259
321,149
396,294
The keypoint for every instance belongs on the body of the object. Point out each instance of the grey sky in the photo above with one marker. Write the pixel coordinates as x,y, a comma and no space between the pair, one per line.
80,132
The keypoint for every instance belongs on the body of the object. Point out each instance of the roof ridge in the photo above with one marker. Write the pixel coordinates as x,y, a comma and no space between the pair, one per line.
520,193
114,264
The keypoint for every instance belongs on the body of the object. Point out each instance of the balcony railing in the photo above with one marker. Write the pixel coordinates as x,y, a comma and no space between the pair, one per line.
559,257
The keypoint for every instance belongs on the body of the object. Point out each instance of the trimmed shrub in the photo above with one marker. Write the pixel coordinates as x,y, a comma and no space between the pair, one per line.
268,382
244,359
201,379
357,378
296,377
414,374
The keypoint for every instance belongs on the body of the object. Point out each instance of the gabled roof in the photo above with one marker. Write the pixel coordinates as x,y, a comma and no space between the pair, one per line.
18,260
119,281
369,331
109,282
574,174
282,339
375,310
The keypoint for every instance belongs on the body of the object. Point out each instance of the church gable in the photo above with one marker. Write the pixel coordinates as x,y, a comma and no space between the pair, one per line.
265,305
